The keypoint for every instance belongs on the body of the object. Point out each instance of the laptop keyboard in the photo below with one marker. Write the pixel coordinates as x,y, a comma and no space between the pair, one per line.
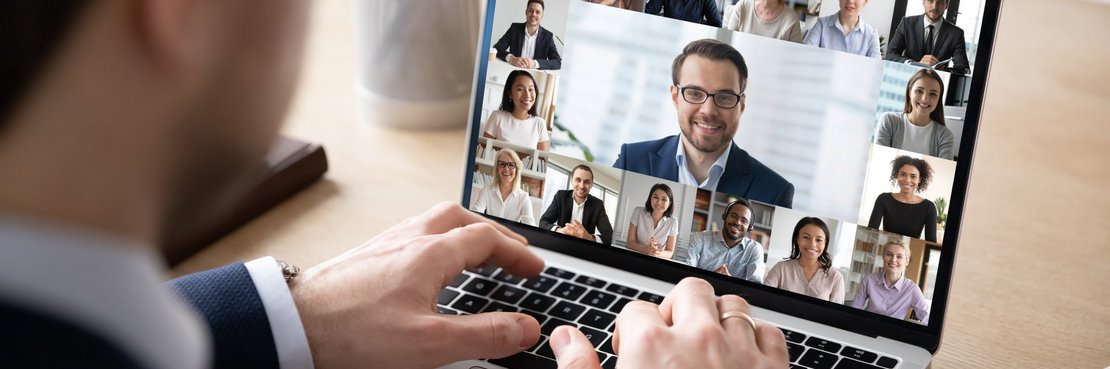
561,297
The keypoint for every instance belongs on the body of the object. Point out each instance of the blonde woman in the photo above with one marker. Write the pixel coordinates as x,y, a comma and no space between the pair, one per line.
768,18
503,198
889,292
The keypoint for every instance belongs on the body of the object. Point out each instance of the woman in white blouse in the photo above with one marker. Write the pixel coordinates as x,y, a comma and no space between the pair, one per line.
504,198
809,270
655,232
516,121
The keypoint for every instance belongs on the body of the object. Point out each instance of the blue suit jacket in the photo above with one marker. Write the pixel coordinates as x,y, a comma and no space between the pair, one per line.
225,297
512,42
744,176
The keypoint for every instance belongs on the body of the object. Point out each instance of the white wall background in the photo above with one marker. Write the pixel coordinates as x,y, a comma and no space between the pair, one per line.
878,179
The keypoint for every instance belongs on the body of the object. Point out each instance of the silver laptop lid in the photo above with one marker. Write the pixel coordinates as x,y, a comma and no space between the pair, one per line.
816,168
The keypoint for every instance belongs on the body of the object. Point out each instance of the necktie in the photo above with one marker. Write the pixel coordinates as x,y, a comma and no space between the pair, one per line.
929,40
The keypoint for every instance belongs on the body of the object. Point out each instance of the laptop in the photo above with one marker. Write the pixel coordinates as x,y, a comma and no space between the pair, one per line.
818,170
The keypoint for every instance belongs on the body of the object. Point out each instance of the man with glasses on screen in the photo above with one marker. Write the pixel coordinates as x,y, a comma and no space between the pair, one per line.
709,79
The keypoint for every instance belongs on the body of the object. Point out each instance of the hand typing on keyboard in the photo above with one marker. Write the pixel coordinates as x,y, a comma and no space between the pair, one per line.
374,306
691,328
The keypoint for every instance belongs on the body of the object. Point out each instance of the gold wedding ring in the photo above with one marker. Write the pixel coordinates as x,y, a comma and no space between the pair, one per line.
738,314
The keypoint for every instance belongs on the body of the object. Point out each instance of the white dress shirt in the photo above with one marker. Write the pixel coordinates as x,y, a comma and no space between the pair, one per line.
517,207
715,172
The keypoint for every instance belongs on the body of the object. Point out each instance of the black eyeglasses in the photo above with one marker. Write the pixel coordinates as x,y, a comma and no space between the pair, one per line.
723,100
506,165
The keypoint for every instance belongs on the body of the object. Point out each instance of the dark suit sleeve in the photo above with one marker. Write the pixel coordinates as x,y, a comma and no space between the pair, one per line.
550,60
604,227
654,7
786,197
550,217
960,64
228,301
503,44
712,15
619,164
897,44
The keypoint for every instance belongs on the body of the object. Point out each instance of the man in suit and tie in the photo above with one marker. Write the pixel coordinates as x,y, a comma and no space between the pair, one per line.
929,39
529,45
576,213
709,79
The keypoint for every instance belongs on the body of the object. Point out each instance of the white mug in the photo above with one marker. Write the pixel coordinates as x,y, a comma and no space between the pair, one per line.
416,60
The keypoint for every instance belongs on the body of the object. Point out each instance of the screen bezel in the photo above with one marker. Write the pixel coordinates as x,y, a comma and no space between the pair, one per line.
824,312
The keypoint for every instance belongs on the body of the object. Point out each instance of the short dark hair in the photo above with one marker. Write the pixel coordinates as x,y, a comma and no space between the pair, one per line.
825,260
30,34
937,115
506,99
582,167
670,195
714,50
925,172
535,1
743,202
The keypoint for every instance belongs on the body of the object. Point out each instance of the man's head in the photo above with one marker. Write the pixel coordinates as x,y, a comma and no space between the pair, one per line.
533,13
176,101
706,67
738,220
581,182
934,9
852,8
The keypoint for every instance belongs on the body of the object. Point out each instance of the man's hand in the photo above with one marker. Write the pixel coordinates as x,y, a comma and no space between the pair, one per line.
374,306
685,331
929,60
723,270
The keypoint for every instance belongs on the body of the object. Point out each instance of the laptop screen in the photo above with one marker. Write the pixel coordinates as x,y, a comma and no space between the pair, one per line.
807,147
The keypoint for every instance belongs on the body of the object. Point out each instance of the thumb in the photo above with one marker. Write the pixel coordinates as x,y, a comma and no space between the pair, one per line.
486,335
572,349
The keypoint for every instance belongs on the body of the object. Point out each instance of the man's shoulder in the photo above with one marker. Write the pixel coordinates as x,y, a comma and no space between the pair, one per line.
648,146
953,27
765,174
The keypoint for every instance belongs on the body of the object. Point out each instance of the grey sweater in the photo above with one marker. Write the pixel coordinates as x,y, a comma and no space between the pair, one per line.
892,129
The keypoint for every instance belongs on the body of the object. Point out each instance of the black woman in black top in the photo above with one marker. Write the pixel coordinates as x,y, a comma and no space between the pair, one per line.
904,212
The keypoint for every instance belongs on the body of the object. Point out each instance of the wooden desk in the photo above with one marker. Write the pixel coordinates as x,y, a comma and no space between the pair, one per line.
1032,283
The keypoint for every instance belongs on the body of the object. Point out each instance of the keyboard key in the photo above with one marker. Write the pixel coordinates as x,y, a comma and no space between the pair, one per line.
446,296
616,308
598,299
596,337
607,346
601,356
795,351
887,362
569,291
852,364
498,306
485,269
796,366
861,355
597,319
469,303
507,278
458,281
540,283
611,363
480,286
558,273
823,344
793,336
622,290
537,302
651,297
567,310
549,327
539,317
817,359
443,310
526,360
545,350
590,281
539,343
508,294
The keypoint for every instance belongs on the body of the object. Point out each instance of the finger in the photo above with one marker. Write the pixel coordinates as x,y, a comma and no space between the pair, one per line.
739,329
690,302
475,244
572,349
485,335
447,216
636,318
771,342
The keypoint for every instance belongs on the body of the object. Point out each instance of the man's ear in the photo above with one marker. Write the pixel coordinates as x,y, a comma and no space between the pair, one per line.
674,95
168,31
743,102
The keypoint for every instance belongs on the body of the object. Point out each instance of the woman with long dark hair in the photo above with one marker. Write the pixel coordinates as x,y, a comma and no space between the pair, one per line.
516,120
809,270
920,126
652,229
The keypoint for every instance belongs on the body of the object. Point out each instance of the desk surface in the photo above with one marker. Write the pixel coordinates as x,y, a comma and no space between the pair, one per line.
1030,289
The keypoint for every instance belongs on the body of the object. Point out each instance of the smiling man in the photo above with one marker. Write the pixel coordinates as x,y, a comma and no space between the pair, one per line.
730,251
709,79
529,45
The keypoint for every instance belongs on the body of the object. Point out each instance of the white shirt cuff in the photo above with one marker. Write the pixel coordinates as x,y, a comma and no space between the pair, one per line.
285,322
